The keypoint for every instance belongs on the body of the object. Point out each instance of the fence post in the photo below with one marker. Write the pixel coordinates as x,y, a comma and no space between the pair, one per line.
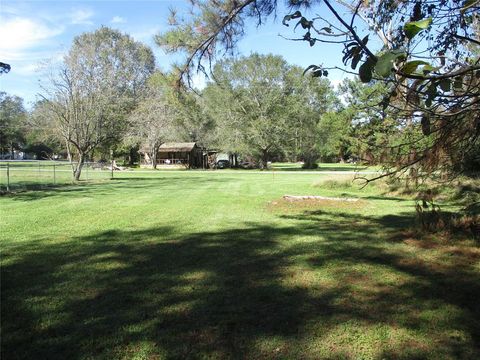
8,177
54,175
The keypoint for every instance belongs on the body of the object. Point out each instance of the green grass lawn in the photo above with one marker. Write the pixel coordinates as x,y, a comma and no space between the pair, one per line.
39,175
215,265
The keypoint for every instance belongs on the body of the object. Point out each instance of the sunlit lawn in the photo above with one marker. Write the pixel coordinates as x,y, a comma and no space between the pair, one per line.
215,265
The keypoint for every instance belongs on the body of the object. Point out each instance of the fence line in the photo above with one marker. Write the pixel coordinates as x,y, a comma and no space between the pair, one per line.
31,174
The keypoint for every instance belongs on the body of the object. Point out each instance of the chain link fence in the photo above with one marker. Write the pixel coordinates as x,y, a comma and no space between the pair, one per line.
38,174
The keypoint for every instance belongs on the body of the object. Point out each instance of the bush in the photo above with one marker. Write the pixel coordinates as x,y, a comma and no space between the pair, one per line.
307,165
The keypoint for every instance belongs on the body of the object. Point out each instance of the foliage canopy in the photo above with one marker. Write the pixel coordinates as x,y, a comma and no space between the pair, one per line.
426,53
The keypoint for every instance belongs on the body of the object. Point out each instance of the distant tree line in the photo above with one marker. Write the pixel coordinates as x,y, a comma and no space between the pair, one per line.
425,54
108,97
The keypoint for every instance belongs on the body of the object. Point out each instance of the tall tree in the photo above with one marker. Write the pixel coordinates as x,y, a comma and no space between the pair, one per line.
334,135
12,122
191,122
256,86
221,104
263,107
41,138
308,100
99,83
152,123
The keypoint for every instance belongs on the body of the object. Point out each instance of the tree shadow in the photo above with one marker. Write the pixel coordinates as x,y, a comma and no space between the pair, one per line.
255,291
323,168
387,198
105,187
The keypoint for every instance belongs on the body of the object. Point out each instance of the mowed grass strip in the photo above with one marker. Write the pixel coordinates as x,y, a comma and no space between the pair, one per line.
213,265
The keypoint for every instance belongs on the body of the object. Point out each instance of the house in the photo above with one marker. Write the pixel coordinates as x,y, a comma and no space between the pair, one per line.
186,154
178,154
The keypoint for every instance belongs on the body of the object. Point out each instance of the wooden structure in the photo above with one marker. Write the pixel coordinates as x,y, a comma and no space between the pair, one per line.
184,154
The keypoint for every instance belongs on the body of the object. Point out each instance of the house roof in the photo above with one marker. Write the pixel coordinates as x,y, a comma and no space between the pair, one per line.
174,146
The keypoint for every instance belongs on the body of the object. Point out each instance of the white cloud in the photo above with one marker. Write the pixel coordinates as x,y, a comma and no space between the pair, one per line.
23,33
118,20
81,17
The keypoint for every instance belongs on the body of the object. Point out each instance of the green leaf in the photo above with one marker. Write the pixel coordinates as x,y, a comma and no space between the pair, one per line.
385,62
287,18
355,60
413,28
431,93
445,85
365,70
385,102
305,23
411,66
432,90
458,82
296,14
425,125
428,69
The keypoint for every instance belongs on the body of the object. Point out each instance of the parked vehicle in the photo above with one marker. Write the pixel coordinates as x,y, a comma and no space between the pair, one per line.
223,164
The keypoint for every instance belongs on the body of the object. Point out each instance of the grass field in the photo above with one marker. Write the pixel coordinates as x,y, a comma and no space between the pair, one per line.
215,265
35,175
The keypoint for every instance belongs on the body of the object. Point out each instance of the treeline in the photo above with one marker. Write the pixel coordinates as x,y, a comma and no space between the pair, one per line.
108,99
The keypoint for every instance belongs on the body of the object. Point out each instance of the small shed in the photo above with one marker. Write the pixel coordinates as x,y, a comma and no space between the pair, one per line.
186,154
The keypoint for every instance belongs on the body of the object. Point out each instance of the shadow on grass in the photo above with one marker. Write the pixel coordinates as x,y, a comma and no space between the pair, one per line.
104,187
387,198
253,292
320,168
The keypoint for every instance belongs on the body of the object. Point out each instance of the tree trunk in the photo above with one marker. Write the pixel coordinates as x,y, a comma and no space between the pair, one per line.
236,160
153,156
264,159
69,152
341,155
154,161
78,169
131,156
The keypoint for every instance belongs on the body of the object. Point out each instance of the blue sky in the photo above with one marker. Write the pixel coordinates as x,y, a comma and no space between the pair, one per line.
37,31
